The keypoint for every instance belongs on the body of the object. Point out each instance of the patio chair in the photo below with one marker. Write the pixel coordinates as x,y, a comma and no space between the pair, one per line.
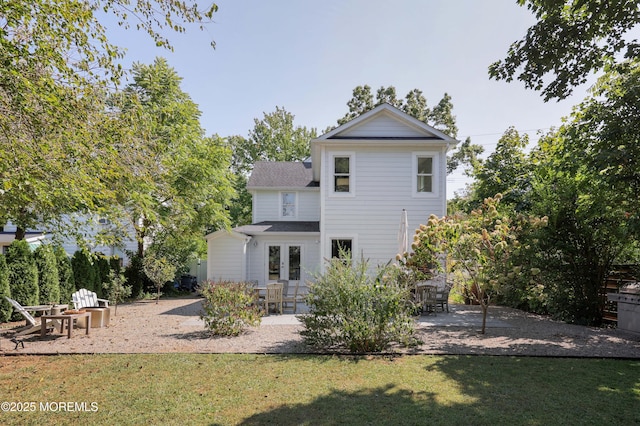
427,297
84,298
292,298
32,324
442,296
274,296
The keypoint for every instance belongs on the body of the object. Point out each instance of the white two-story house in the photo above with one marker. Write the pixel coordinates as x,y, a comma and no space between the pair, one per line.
350,195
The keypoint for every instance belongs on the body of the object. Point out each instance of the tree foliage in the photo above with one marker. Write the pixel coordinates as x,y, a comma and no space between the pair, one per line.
506,171
48,279
6,309
159,270
275,137
480,249
23,274
65,275
415,104
57,149
185,183
571,39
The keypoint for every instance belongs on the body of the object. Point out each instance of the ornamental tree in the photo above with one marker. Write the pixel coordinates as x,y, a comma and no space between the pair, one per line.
479,246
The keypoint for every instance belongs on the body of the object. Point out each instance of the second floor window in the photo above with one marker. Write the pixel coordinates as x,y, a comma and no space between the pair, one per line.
425,174
341,174
289,204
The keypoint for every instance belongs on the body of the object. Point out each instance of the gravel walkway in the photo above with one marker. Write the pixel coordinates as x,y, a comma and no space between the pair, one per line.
173,325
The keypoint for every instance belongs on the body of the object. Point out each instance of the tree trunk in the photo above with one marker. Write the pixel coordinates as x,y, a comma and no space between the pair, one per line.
485,308
20,233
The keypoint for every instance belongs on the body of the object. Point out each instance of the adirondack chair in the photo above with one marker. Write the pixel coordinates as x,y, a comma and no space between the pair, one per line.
84,298
32,324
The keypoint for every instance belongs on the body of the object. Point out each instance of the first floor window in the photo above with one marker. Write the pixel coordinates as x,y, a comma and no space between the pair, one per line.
341,247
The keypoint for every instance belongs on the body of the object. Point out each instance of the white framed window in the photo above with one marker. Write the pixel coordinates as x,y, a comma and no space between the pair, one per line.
341,247
342,174
425,174
288,206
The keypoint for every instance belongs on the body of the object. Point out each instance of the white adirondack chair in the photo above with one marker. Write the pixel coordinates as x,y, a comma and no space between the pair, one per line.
84,298
32,324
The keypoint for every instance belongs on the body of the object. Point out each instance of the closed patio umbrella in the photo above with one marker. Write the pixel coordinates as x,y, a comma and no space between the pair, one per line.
403,234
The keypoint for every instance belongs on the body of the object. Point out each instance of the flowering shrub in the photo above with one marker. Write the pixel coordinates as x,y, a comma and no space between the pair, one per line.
350,309
228,307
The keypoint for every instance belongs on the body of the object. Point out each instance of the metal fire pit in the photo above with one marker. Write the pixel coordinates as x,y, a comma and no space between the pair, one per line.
628,300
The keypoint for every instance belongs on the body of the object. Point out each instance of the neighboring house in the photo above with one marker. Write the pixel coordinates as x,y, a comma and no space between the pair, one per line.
87,228
350,195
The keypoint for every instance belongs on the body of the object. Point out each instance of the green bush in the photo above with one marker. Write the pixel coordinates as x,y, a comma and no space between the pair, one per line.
103,271
228,307
350,309
48,279
5,307
84,273
65,275
23,274
136,278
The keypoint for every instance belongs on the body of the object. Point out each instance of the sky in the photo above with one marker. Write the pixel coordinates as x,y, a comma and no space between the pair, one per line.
307,56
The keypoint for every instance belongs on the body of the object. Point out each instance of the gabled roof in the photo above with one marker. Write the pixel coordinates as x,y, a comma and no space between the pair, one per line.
280,174
383,124
413,128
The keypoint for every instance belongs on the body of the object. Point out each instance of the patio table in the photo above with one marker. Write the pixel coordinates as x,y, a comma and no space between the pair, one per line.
69,318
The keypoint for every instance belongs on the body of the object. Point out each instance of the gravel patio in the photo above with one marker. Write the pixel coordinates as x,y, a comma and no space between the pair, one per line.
174,326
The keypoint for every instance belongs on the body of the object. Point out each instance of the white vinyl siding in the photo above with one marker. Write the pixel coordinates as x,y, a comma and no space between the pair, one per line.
385,183
384,126
226,258
267,205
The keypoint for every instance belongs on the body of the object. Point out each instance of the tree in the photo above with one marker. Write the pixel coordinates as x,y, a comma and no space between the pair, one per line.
159,270
571,39
23,274
604,134
591,223
185,183
479,248
55,65
273,138
506,171
6,309
84,273
116,290
415,104
65,275
48,279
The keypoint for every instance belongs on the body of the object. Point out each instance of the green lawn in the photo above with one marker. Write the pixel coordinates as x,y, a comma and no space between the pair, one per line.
280,390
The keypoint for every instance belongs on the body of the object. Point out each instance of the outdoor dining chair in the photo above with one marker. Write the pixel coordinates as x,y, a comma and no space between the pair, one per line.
274,297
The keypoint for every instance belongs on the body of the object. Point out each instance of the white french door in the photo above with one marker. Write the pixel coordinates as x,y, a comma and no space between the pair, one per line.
283,262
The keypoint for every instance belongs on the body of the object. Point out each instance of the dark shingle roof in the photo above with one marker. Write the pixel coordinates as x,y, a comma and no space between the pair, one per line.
273,226
281,174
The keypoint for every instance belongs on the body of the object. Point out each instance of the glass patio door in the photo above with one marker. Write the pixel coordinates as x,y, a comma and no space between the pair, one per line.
283,262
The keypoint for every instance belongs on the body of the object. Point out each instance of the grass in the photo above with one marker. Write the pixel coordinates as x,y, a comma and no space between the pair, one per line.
321,390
